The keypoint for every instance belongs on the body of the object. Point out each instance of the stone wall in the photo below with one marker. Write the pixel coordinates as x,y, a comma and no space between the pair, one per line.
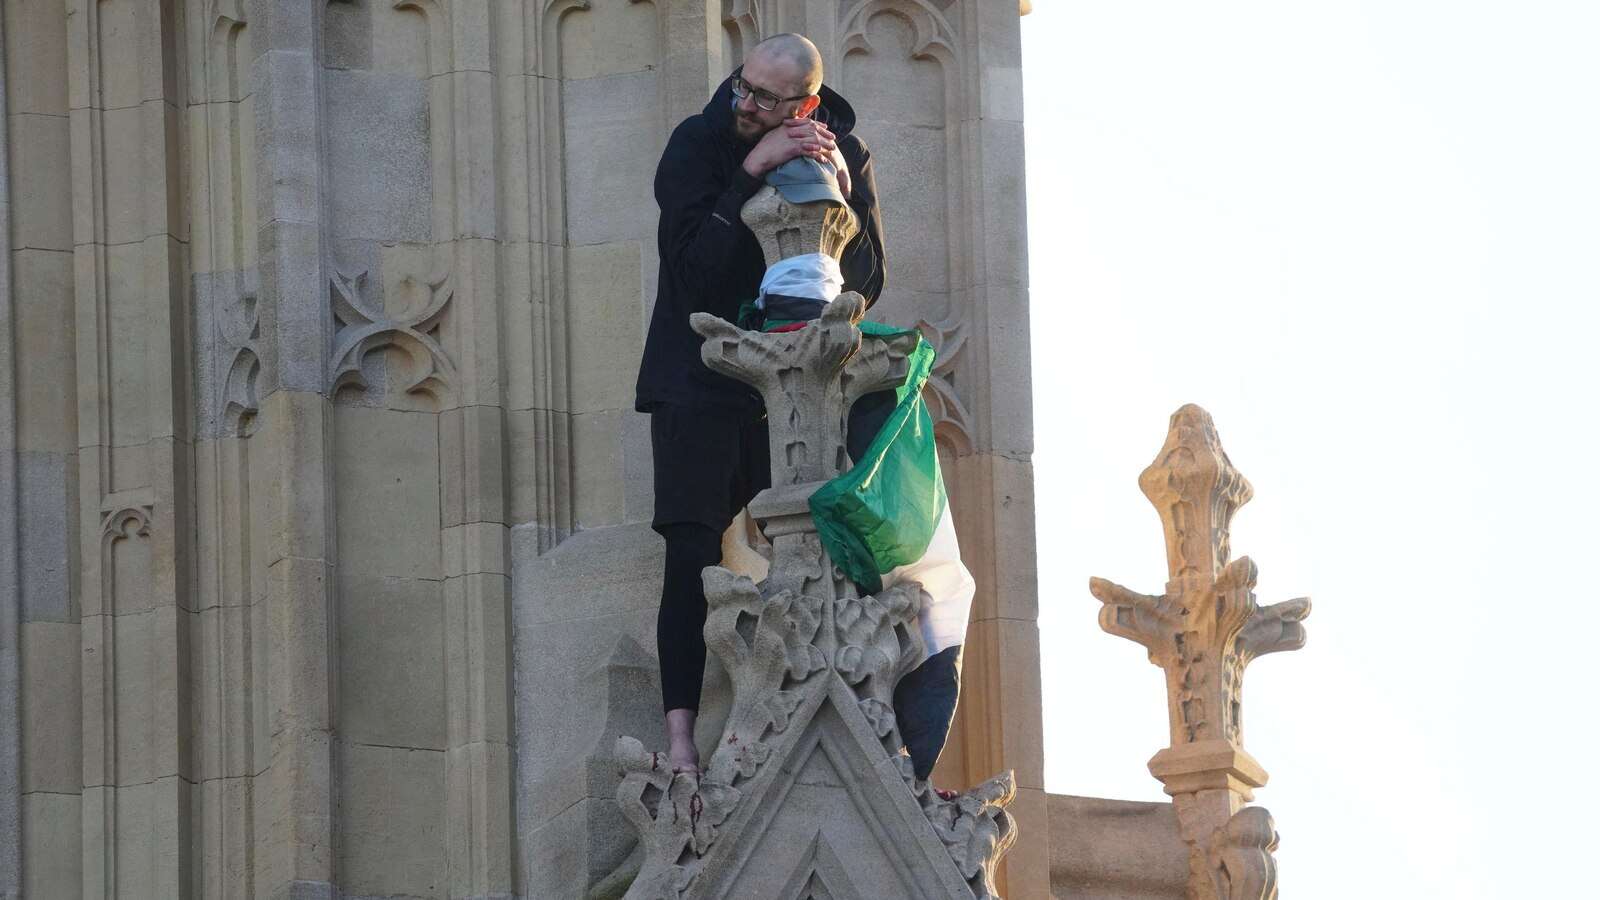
317,339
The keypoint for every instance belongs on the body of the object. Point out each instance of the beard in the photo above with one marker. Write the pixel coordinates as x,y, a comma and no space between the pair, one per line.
747,129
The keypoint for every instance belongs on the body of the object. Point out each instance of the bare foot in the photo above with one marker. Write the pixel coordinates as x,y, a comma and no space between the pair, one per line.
681,752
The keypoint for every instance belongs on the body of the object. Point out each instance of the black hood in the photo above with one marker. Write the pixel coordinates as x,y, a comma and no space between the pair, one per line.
834,112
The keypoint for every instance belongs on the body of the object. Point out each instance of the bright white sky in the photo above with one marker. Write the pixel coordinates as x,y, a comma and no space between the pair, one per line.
1365,235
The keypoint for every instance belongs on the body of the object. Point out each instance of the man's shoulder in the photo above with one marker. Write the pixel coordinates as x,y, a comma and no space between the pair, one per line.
694,130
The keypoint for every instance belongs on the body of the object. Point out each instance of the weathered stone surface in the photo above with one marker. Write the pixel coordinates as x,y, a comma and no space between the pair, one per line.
181,448
391,661
380,178
1203,631
52,846
44,483
611,157
391,814
1116,850
52,718
40,147
387,492
603,301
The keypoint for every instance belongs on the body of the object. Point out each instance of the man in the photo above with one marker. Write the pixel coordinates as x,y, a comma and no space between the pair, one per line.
708,432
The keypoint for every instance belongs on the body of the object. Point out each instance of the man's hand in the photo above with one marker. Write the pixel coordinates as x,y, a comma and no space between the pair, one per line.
795,137
841,172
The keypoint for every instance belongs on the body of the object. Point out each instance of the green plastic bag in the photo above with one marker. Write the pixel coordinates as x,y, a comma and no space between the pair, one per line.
882,513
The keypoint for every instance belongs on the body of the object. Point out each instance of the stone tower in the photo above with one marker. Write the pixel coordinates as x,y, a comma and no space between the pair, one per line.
324,568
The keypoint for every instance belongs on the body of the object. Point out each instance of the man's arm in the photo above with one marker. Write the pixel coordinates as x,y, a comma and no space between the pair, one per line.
863,262
700,227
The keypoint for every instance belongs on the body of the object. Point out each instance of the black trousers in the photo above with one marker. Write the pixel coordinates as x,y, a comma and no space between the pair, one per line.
708,465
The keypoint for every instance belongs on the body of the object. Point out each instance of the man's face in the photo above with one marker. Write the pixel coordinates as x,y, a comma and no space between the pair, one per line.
776,77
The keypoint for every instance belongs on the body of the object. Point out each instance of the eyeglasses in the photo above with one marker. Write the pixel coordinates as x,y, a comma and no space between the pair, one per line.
765,99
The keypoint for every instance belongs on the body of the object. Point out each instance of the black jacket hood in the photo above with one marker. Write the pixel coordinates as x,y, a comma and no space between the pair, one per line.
834,111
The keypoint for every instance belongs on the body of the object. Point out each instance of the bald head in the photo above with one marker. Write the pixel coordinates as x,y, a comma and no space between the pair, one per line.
795,57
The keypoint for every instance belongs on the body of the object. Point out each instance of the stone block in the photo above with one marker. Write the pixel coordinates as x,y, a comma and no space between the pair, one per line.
45,495
1000,665
472,445
1114,849
638,468
41,207
1005,226
473,331
378,156
42,303
1025,870
222,860
36,59
476,548
126,184
482,830
586,842
141,853
521,268
386,474
119,45
293,307
295,611
288,478
220,689
127,719
392,815
604,341
612,145
598,476
610,37
294,810
397,42
555,855
391,661
284,80
890,81
604,571
991,498
910,164
52,708
1002,93
52,846
475,192
478,658
347,34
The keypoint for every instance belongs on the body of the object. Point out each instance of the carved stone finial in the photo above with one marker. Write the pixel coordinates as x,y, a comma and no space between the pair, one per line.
808,789
1203,631
793,229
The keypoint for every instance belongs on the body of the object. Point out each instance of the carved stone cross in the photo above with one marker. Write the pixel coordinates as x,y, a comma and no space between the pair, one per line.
1203,632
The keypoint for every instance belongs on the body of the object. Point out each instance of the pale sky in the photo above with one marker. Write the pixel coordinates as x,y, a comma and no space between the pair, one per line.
1365,235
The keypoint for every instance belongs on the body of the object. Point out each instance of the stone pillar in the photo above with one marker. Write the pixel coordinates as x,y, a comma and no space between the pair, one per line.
10,550
295,794
1203,632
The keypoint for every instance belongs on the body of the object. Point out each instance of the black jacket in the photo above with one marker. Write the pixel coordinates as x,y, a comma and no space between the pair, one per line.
710,262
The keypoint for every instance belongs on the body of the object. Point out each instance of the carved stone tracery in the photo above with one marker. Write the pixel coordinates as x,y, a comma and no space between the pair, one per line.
362,328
